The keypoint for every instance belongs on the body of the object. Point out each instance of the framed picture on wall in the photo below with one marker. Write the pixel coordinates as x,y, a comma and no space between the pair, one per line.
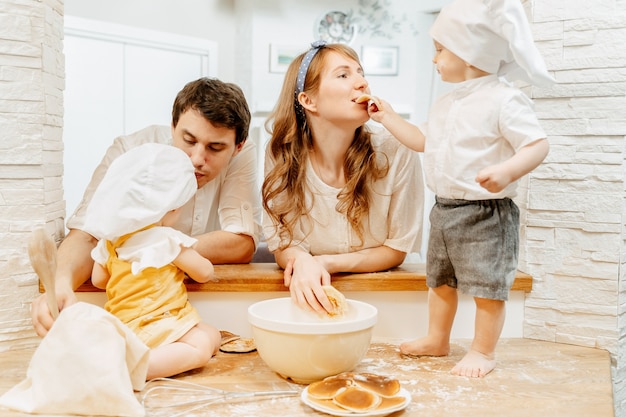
379,60
282,55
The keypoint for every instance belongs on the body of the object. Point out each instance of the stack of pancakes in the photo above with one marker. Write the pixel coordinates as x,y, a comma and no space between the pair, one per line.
357,393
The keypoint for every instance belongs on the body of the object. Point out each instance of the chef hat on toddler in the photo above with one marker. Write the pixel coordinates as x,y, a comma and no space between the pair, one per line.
494,36
138,189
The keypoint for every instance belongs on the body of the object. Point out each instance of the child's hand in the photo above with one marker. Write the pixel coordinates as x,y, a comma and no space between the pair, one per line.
378,109
494,178
375,106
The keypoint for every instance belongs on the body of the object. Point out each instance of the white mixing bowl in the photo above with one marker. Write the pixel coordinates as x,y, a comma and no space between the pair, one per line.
305,347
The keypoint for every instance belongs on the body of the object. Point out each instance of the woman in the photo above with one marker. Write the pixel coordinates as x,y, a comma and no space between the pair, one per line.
337,196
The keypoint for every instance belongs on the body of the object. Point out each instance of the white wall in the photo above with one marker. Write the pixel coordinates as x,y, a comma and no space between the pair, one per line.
278,22
205,19
246,28
120,79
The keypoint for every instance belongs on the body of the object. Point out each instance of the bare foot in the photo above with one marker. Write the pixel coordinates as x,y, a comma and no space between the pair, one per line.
424,347
474,364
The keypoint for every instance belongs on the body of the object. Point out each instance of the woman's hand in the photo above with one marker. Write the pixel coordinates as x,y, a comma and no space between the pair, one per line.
305,275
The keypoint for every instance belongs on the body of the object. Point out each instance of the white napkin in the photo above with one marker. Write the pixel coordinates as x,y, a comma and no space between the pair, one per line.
89,363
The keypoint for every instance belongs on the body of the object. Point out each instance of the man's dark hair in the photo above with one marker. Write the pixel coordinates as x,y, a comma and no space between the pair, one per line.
222,104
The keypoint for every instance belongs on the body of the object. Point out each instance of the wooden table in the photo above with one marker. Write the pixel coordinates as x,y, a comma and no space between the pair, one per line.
533,378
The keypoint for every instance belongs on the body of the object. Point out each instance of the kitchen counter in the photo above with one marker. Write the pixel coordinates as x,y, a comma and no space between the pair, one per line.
532,378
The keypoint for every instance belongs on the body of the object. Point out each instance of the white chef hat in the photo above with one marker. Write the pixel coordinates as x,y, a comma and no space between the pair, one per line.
494,36
138,189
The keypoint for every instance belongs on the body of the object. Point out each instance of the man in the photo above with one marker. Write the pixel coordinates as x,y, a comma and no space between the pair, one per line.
210,122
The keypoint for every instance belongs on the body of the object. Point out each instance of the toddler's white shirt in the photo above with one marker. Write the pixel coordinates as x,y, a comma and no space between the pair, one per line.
482,122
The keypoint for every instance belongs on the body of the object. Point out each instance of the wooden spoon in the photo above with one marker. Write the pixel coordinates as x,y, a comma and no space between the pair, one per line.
42,252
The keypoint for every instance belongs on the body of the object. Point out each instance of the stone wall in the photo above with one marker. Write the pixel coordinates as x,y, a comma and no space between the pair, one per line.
574,231
31,150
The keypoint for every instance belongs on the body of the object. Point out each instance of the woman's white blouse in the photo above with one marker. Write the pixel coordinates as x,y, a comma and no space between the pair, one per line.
396,210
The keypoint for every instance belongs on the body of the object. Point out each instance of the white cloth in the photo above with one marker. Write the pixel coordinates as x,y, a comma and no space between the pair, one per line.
154,247
231,202
494,36
89,363
396,208
482,122
138,189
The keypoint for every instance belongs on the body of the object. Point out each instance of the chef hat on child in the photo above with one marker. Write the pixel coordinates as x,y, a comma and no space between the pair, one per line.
138,189
494,36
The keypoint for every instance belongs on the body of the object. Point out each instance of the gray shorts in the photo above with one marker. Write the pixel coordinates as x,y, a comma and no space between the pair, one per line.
473,246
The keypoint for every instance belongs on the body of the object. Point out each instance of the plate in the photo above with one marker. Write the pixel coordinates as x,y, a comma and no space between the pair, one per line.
339,413
240,345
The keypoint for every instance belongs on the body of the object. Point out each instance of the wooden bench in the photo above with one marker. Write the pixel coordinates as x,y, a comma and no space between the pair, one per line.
260,277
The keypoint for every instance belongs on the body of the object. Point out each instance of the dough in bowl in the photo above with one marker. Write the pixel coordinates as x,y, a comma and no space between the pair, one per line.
337,299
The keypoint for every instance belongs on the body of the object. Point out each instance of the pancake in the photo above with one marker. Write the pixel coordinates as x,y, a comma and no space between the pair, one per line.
328,388
228,337
380,384
337,299
358,393
357,399
327,404
240,345
390,402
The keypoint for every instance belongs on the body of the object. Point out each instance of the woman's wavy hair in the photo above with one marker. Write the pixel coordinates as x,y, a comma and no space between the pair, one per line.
285,186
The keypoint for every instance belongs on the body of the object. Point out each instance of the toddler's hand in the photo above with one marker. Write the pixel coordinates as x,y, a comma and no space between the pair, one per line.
493,178
378,108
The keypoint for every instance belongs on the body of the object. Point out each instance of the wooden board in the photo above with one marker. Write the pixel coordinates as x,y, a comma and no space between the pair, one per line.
260,277
533,378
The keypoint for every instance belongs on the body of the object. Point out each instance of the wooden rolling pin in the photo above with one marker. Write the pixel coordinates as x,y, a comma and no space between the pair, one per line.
42,252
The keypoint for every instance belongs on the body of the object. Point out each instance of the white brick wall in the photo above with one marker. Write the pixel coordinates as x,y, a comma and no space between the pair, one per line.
31,159
574,232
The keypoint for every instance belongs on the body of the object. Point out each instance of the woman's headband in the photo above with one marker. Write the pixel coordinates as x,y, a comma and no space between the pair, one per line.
304,65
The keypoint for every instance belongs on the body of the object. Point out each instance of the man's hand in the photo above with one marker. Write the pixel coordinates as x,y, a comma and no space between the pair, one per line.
40,313
74,266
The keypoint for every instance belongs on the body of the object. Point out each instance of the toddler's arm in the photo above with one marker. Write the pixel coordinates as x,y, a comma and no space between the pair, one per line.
496,177
99,276
408,134
196,266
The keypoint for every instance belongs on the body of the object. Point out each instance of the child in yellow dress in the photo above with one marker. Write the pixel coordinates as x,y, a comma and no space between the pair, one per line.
141,261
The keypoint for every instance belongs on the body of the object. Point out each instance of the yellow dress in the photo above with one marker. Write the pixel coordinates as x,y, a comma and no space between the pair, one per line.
153,302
